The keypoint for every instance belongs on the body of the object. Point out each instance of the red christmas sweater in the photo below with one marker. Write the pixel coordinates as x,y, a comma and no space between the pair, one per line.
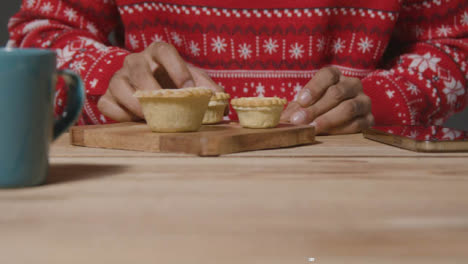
411,55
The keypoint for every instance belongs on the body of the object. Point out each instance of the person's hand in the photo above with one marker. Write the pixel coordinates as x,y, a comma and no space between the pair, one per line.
159,66
333,103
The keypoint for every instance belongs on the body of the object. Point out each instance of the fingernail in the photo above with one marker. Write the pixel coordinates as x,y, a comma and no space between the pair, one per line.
305,98
314,124
298,118
188,84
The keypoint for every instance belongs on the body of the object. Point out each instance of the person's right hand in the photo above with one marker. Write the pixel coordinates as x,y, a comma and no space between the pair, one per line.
157,67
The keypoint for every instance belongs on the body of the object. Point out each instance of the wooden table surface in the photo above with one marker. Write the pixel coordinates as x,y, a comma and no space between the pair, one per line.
343,200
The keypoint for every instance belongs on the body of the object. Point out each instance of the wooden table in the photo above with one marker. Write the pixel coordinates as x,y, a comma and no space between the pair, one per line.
343,200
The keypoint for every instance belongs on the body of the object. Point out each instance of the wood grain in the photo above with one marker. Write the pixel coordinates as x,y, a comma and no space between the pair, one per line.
345,200
211,140
325,146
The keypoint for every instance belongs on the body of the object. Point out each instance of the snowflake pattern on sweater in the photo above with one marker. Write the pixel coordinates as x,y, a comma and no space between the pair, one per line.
411,55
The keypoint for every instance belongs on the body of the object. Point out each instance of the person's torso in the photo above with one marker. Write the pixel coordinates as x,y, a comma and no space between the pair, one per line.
265,48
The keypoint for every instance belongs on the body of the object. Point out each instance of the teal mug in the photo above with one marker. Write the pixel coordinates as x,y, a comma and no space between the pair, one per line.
27,86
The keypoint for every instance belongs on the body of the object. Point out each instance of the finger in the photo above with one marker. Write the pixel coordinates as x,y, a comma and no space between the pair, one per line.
139,73
346,89
354,126
290,109
112,110
314,89
343,113
166,55
122,92
201,78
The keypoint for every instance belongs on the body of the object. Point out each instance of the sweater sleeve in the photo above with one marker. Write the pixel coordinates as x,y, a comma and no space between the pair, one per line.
78,30
424,81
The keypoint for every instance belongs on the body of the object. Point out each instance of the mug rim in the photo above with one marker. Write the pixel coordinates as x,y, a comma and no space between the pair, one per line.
5,51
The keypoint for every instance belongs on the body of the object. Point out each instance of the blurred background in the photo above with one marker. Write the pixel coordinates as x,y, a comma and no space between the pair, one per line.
9,7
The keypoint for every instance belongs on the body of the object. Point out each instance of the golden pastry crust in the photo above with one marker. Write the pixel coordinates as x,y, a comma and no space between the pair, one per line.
171,93
215,112
259,112
220,97
258,101
178,110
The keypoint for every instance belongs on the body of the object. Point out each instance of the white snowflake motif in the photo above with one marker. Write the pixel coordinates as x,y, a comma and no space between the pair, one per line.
92,28
133,41
194,49
176,39
450,134
365,45
413,89
46,44
413,112
418,31
452,90
390,93
93,83
424,62
464,19
70,14
260,89
414,134
46,8
30,3
91,43
103,119
338,45
297,89
78,66
270,46
321,44
244,51
296,51
444,31
219,44
439,121
156,38
64,55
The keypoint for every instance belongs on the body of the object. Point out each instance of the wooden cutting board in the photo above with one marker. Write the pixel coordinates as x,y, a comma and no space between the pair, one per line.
211,140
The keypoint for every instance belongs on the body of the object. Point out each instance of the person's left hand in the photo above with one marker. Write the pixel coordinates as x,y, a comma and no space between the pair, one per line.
333,103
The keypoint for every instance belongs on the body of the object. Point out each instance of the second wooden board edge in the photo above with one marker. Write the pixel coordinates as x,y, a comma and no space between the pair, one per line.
416,145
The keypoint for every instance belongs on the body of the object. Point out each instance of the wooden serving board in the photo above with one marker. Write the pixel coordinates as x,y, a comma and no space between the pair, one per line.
211,140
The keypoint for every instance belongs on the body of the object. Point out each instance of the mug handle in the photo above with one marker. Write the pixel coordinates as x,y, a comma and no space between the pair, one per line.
75,101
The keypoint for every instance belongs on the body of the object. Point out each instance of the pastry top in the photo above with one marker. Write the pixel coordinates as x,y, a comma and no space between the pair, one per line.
257,101
220,97
171,93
